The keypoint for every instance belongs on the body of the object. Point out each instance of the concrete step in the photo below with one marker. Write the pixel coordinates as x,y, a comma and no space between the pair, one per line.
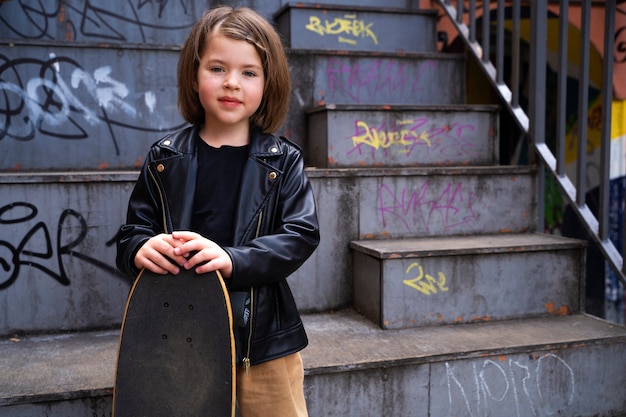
572,366
57,246
327,77
566,365
357,28
377,203
104,23
447,280
373,78
69,108
397,136
57,230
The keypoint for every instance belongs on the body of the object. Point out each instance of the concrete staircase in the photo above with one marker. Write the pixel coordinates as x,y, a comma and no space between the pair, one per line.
431,294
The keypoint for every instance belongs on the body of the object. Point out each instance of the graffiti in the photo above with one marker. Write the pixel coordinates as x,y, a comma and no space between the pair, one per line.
50,104
425,283
382,138
367,80
411,134
36,245
80,20
348,25
451,207
545,389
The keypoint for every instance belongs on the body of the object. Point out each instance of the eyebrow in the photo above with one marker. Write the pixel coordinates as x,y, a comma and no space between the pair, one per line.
223,62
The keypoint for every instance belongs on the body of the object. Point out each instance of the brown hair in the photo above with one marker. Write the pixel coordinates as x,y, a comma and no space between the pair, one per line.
241,24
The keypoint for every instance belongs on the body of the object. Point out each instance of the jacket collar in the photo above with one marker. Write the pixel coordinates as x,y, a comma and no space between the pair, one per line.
184,142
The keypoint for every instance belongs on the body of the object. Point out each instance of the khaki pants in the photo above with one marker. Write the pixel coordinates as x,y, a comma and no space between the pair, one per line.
272,389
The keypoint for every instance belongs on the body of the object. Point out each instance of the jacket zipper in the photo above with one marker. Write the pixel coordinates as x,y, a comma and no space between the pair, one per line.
156,183
246,359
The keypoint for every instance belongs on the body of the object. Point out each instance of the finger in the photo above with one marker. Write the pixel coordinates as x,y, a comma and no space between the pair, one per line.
164,267
193,247
184,235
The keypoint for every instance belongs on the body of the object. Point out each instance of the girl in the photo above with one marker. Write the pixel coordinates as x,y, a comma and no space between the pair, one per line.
226,194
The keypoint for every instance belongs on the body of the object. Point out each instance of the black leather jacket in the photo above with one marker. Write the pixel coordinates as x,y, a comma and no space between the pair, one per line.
276,230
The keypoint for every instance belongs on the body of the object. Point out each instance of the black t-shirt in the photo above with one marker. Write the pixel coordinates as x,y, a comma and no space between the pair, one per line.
217,189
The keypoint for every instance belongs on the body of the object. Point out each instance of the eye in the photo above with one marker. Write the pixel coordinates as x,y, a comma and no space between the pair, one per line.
249,73
216,69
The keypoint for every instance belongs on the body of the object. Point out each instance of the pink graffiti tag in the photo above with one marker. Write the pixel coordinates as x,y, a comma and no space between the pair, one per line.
451,207
370,79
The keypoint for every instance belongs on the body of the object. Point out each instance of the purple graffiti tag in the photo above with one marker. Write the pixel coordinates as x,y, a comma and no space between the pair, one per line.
360,82
416,210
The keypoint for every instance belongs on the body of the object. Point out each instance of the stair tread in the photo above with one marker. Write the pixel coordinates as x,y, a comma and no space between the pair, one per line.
463,245
347,341
403,107
46,368
355,8
57,367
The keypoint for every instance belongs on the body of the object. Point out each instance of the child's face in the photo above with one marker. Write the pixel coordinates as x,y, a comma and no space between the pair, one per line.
230,82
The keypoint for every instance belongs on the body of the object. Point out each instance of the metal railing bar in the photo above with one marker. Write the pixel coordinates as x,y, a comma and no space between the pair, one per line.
605,134
515,53
486,32
568,189
561,101
583,103
500,44
546,159
537,103
472,21
504,90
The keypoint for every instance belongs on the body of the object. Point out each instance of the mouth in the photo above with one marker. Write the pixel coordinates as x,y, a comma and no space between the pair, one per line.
229,101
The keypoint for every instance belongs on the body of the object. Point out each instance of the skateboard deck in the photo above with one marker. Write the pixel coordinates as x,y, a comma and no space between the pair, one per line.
176,352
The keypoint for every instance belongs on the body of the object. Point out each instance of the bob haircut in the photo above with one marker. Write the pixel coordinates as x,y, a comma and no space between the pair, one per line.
242,24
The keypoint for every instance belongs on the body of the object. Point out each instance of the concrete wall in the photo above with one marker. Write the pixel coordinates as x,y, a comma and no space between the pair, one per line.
57,231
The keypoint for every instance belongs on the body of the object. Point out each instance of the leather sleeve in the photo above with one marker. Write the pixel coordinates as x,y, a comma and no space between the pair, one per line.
141,221
294,235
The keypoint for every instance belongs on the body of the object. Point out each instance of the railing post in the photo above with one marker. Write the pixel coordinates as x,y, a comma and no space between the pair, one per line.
500,43
561,101
472,21
515,54
607,107
485,30
537,103
583,103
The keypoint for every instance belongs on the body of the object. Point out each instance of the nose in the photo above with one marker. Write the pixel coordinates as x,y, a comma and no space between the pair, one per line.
231,82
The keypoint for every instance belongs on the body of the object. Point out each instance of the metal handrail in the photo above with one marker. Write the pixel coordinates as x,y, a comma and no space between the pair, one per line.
532,121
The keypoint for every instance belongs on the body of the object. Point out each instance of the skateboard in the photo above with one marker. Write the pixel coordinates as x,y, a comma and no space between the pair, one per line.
176,352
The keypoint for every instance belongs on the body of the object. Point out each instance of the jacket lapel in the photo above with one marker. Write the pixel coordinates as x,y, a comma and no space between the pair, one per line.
260,178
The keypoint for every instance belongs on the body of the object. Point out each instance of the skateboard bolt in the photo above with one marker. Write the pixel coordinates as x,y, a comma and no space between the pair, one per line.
164,337
166,305
190,307
189,340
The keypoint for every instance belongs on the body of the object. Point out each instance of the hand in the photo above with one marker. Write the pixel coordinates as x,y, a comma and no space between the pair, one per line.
158,253
206,253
